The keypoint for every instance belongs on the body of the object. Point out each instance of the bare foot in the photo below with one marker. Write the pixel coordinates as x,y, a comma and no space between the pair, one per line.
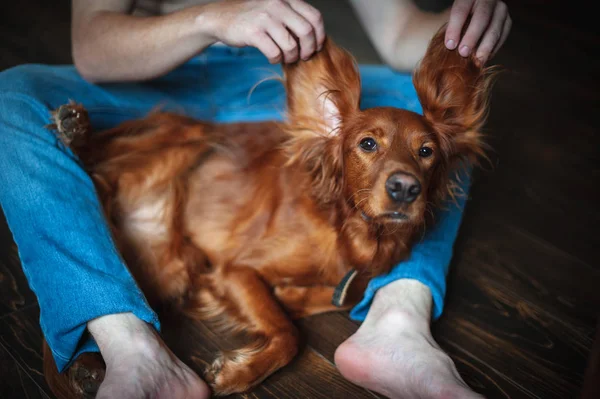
393,352
138,363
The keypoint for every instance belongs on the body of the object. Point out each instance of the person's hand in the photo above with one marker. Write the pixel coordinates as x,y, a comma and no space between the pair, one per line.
280,29
487,30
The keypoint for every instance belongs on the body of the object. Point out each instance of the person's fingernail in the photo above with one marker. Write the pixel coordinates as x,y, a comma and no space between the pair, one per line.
450,44
464,51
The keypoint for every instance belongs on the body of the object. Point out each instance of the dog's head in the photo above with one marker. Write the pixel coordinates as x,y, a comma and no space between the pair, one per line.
387,163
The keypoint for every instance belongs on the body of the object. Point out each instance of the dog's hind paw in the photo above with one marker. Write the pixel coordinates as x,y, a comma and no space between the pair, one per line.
86,374
70,122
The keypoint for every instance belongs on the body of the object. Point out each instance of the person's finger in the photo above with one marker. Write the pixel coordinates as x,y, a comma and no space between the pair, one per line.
313,16
505,32
265,44
493,34
299,27
482,14
458,15
284,40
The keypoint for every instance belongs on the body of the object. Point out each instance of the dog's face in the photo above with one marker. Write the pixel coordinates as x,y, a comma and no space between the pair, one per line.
388,159
388,164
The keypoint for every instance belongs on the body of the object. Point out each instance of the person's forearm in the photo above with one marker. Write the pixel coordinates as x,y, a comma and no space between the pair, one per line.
399,30
110,46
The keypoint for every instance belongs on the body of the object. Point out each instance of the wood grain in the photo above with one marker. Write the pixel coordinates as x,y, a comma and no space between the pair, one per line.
21,340
14,289
309,375
521,317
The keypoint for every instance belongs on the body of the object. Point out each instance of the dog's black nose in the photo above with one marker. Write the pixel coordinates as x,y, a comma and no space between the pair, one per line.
403,187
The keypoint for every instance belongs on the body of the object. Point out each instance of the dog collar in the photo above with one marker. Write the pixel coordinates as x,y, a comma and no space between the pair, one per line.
341,291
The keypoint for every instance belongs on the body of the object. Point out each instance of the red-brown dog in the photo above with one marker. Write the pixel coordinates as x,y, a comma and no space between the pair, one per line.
255,224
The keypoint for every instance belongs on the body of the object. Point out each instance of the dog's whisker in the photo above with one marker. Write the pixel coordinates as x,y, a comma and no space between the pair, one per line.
359,202
364,190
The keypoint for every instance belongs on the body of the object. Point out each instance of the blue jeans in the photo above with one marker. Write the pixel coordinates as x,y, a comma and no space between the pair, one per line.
67,252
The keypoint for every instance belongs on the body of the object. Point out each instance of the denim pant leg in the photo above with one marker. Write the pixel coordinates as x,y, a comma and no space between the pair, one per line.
50,203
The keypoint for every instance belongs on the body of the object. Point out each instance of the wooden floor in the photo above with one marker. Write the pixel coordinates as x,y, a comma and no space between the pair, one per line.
524,298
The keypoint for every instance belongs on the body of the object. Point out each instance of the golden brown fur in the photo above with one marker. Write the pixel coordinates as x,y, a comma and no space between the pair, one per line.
253,224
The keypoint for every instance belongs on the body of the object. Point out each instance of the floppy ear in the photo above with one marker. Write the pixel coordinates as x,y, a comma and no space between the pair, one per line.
322,91
454,93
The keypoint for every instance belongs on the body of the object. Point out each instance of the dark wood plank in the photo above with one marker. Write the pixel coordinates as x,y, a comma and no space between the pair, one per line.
16,382
518,331
543,128
325,332
310,374
14,289
21,337
591,383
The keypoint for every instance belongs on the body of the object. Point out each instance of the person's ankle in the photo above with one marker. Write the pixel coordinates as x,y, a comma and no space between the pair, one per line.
123,333
403,299
397,321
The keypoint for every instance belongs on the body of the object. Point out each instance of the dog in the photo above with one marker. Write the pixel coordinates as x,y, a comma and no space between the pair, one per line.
253,225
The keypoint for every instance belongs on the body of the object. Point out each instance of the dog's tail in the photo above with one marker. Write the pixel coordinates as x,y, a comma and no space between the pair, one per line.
158,132
71,124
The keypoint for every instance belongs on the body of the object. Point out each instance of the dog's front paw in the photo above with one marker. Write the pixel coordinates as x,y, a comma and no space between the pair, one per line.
70,121
232,374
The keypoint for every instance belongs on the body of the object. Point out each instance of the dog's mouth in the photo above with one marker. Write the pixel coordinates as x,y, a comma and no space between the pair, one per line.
394,216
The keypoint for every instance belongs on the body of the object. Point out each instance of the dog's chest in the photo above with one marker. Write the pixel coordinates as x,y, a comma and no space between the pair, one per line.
237,221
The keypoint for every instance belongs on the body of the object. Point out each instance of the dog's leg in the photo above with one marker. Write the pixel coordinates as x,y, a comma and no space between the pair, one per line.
307,301
244,299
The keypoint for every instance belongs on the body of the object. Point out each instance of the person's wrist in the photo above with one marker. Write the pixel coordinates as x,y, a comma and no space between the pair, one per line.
207,23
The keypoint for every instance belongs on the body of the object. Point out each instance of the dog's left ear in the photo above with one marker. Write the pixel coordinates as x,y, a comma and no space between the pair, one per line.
322,91
454,93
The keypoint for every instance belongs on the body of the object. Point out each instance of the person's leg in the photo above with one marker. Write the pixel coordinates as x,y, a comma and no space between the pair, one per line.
398,355
393,351
65,246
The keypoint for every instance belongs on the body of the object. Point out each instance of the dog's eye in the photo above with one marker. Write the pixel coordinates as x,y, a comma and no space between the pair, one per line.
368,144
425,152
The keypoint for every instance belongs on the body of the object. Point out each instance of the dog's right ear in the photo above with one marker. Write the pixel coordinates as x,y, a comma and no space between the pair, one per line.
322,91
454,93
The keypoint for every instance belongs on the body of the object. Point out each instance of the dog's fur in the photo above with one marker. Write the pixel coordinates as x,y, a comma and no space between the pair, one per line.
254,224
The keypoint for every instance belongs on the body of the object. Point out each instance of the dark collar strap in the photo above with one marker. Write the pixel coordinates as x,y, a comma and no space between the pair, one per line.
339,295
